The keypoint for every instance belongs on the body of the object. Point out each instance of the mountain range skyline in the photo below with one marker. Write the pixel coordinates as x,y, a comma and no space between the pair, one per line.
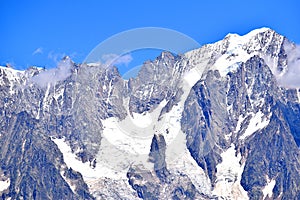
63,68
215,122
41,33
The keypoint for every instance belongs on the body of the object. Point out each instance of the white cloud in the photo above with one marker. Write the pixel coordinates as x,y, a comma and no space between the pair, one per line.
55,56
52,76
38,51
291,78
113,59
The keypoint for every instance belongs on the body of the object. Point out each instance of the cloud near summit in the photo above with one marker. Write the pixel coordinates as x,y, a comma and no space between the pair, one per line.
52,76
290,78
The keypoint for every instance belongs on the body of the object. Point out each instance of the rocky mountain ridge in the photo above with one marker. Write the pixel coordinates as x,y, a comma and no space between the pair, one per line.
215,122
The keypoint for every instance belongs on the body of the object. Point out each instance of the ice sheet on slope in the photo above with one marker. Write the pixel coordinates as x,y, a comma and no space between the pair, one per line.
95,176
133,134
257,122
178,157
229,173
234,55
142,120
190,79
84,168
125,141
112,189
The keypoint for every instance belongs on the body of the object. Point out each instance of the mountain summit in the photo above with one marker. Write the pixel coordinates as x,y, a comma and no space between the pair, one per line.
218,122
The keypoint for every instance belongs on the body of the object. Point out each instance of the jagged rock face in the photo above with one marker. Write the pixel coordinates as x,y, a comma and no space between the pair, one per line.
263,161
70,109
213,123
221,110
157,155
156,81
36,169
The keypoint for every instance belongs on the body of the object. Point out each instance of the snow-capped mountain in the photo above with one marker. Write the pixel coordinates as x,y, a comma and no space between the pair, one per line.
219,122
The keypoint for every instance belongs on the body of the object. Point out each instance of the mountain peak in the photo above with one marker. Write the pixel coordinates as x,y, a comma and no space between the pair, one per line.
199,125
249,34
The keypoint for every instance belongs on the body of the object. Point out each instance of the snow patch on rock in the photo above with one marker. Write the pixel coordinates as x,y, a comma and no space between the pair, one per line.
257,122
229,174
268,189
95,176
4,184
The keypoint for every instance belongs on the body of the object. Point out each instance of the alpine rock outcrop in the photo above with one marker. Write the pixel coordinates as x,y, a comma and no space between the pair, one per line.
218,122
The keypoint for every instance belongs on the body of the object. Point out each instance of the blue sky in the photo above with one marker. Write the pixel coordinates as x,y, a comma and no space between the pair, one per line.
41,32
